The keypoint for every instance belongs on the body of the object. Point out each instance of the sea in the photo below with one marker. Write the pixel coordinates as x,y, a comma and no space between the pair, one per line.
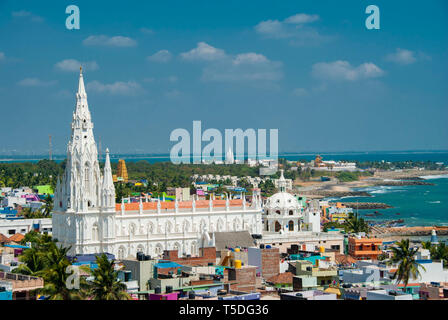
416,205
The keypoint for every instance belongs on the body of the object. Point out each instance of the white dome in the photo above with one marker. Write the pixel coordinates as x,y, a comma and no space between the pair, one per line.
282,200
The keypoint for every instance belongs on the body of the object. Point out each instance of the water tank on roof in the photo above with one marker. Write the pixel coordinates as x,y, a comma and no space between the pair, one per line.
268,246
322,249
237,264
237,249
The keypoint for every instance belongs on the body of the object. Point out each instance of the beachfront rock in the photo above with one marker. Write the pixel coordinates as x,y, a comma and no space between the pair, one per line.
336,194
366,205
404,183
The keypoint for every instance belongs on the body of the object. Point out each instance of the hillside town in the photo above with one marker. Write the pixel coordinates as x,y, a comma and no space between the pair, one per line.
217,240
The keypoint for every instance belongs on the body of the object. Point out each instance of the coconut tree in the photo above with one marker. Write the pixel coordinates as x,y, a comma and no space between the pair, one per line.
356,224
48,206
408,267
106,285
440,252
55,275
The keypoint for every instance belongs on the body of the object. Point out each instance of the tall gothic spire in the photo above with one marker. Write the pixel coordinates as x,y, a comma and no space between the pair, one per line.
81,183
108,189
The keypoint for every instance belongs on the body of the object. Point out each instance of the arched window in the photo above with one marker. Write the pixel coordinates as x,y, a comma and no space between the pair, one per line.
291,225
278,211
193,248
278,226
95,235
291,212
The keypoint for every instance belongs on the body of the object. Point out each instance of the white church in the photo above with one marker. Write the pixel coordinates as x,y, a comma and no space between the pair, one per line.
87,218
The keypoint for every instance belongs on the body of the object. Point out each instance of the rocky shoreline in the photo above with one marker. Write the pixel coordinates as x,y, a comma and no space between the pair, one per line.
335,194
366,205
406,182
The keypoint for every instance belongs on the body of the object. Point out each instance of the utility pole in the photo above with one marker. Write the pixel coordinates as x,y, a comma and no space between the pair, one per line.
49,147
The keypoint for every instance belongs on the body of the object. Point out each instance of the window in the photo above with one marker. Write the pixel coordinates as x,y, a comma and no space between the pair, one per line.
12,231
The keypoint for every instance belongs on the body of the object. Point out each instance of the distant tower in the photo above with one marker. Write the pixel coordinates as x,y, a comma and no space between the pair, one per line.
230,159
122,171
49,148
434,239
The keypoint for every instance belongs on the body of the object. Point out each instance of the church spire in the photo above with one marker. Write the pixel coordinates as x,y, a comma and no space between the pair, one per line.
82,181
282,182
81,88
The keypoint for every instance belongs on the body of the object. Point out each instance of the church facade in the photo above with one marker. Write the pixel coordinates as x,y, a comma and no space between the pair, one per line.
86,217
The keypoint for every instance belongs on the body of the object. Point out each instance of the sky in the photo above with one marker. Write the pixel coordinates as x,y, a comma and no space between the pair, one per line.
310,69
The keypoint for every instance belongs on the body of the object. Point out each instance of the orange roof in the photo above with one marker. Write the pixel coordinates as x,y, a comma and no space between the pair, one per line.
3,238
169,205
285,277
344,259
17,237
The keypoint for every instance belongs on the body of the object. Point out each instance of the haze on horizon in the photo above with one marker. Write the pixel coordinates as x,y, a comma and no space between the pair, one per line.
311,70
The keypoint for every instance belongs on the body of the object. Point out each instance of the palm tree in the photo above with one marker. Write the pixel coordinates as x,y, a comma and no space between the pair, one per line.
48,206
106,285
55,275
440,252
356,224
33,263
427,245
408,267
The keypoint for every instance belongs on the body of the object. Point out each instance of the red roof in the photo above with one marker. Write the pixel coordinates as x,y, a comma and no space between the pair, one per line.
17,237
169,205
3,238
285,277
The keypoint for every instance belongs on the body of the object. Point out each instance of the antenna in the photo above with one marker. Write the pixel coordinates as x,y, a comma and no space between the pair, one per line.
49,147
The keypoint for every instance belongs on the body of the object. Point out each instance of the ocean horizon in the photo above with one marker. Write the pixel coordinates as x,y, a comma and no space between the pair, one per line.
390,156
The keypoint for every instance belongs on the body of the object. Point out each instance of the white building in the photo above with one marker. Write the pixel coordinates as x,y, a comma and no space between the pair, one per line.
8,227
86,217
283,213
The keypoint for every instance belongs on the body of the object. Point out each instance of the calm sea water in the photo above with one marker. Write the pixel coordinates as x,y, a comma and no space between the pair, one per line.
436,156
417,205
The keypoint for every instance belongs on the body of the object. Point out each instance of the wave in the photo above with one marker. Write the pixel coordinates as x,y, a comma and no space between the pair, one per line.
435,176
434,201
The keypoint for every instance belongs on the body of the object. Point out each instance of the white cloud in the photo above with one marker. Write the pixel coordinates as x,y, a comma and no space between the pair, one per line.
243,67
293,28
302,18
250,58
161,56
204,52
27,14
116,41
116,88
35,82
343,70
402,56
73,65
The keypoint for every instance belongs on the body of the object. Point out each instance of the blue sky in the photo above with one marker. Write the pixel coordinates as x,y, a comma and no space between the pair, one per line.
310,69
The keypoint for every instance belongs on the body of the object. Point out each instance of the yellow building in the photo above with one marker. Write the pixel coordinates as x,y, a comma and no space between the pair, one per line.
122,172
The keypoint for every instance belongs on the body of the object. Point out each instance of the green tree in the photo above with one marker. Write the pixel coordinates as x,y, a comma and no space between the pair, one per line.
408,267
356,224
55,275
48,206
106,285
